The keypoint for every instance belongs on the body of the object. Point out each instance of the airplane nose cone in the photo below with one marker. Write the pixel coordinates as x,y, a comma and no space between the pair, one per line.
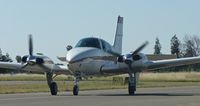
73,58
78,54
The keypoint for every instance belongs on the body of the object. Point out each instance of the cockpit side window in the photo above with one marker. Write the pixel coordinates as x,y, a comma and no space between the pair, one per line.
89,42
105,46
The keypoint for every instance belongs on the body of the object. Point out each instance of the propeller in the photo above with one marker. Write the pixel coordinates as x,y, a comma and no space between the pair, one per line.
135,55
30,45
31,59
140,48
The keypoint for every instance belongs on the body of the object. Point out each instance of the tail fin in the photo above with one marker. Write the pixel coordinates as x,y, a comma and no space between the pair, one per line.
118,36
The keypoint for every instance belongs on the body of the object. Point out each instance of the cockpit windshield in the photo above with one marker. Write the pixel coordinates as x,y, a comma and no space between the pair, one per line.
89,42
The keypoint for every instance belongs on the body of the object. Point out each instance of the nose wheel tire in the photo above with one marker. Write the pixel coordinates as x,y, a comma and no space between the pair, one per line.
75,90
131,89
53,88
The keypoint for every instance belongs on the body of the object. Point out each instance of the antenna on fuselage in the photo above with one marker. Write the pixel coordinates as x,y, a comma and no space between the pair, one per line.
69,47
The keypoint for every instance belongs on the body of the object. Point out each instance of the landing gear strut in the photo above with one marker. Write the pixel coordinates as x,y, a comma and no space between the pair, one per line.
76,85
132,84
52,85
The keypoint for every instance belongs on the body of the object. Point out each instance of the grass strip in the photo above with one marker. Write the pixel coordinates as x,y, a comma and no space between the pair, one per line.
66,84
91,85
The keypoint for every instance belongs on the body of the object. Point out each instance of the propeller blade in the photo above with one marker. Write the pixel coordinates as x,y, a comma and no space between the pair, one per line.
30,45
140,48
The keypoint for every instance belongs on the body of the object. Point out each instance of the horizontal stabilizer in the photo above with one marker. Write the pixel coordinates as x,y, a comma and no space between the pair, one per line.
62,58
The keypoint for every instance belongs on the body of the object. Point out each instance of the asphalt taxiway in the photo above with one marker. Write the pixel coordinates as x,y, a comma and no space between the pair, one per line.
169,96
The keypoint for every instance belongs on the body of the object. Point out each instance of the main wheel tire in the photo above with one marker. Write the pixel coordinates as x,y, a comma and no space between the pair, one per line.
53,88
131,89
75,90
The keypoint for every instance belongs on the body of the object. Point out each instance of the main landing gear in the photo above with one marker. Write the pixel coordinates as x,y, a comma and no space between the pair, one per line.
54,88
52,85
132,84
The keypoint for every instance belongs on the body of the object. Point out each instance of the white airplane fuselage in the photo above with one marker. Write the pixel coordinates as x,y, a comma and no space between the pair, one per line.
87,60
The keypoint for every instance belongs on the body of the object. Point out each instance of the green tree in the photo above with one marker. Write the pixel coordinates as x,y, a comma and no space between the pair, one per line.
157,47
175,46
8,59
191,46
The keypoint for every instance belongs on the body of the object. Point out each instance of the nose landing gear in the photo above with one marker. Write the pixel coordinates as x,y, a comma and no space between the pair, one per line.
76,84
75,90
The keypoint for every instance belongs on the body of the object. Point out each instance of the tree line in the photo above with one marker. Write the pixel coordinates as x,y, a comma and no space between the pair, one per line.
188,47
5,57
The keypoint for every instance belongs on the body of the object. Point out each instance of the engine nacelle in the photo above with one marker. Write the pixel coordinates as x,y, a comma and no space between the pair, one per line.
139,56
136,57
24,59
129,58
39,61
120,59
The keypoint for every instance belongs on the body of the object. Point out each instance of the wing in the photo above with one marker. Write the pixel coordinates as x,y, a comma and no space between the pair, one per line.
42,68
62,58
114,68
17,67
151,65
11,66
61,69
122,68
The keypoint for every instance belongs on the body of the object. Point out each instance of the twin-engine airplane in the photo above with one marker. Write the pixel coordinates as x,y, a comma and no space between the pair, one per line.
95,57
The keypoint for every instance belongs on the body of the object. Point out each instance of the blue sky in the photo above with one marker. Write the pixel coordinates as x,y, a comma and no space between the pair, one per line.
57,23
